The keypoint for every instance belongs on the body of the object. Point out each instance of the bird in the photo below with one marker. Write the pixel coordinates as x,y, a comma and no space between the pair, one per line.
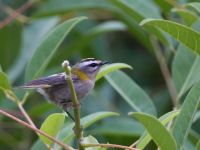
55,87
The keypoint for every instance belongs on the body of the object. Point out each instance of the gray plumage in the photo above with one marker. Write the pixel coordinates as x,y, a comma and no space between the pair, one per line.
55,88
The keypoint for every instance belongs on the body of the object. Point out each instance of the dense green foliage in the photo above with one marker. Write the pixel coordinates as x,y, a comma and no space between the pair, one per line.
149,95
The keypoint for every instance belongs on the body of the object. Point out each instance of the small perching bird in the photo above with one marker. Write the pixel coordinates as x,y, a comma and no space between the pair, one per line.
55,88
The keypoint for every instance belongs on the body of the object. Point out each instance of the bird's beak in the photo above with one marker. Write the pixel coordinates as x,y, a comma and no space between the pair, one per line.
104,62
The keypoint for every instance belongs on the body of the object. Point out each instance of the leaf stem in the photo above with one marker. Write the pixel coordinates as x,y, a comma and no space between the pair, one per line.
165,71
109,145
66,147
78,130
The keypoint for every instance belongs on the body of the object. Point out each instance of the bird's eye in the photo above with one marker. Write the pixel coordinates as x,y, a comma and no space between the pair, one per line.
93,64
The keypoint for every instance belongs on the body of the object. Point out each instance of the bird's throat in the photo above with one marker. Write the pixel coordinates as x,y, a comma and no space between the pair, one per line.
83,76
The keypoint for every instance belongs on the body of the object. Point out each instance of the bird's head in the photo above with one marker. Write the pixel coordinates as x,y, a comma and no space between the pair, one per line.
88,68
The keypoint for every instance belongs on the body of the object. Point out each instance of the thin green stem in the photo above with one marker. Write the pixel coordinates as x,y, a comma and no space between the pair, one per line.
78,130
66,147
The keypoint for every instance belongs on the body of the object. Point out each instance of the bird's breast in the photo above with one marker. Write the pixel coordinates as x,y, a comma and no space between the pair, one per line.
83,88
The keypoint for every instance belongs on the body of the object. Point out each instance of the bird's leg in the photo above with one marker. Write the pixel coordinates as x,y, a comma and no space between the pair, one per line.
70,116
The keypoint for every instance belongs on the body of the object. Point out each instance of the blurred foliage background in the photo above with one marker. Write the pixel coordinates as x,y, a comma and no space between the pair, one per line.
111,32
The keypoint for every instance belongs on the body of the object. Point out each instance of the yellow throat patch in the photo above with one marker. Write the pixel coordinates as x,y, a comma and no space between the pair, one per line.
80,74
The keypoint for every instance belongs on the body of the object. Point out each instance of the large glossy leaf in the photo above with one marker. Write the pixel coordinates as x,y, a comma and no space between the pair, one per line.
184,34
52,126
184,120
37,29
146,138
185,67
109,68
158,132
131,92
67,133
48,47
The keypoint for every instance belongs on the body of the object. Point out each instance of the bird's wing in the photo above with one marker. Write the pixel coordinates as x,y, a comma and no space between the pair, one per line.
46,82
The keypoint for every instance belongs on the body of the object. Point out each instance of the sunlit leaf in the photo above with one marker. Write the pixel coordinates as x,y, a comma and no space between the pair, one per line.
161,136
4,82
52,126
91,140
183,122
146,138
112,67
131,92
48,47
182,33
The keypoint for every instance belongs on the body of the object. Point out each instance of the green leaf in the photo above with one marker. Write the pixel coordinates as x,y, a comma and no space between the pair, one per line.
92,34
198,145
185,67
91,140
128,128
109,68
135,12
134,9
52,7
158,132
164,5
52,126
67,133
182,33
183,122
10,45
194,5
188,17
146,138
38,145
4,82
37,29
48,47
131,92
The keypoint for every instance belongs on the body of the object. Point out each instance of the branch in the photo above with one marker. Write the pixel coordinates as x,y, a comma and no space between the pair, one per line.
78,130
25,114
165,71
16,13
109,145
66,147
